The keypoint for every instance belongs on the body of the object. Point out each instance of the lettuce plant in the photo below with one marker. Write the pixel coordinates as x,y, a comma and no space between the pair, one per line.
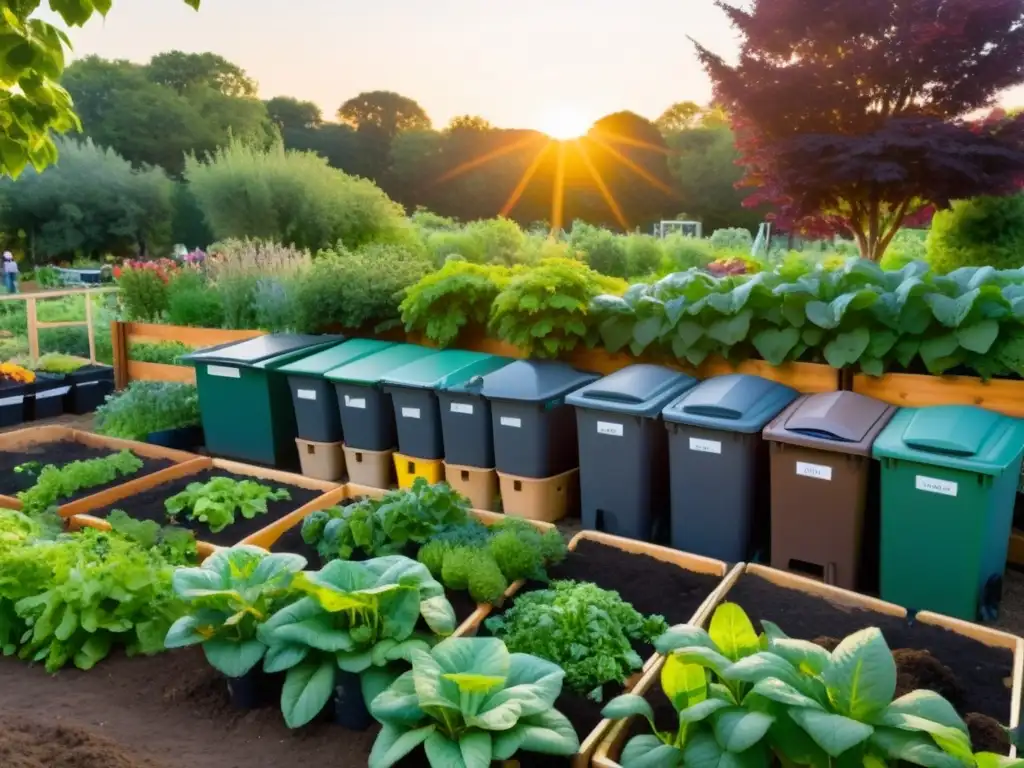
827,709
216,501
357,617
55,483
468,701
228,597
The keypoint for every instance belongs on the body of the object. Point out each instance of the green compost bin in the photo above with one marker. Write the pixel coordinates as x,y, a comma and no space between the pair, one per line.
949,478
244,400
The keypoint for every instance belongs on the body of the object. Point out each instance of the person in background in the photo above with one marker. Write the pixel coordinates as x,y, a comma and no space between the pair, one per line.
10,272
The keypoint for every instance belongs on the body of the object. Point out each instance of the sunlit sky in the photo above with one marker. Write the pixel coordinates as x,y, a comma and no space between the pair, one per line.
543,64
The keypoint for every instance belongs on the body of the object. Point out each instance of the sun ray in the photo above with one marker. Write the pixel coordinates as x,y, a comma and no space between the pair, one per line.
643,174
524,181
494,154
616,138
558,192
602,187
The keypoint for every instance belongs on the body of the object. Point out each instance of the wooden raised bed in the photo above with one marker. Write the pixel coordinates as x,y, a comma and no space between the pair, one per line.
590,742
25,439
610,750
326,494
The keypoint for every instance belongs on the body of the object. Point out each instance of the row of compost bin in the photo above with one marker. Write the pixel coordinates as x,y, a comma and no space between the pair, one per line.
915,504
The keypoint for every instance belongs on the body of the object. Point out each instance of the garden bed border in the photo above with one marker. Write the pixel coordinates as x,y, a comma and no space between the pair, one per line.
327,490
52,434
611,748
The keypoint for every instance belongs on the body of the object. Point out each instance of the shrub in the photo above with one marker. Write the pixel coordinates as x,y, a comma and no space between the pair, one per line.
148,406
444,302
683,252
605,252
240,269
985,231
291,197
643,255
192,301
48,277
732,239
356,289
907,246
164,352
143,288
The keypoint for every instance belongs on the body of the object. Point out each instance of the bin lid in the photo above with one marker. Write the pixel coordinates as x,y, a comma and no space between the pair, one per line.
371,369
322,362
839,422
954,436
737,402
446,368
270,352
641,390
533,381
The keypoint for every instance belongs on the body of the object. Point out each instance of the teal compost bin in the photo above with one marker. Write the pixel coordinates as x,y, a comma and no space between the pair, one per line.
367,418
949,478
313,396
244,401
414,387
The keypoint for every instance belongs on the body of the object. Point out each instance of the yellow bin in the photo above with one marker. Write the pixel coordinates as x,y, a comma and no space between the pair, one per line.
409,468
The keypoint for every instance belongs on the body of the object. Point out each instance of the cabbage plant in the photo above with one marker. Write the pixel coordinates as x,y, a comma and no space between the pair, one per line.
357,617
468,701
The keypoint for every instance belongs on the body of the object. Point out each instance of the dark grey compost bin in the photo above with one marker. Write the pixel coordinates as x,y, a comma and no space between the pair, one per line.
534,429
719,465
624,449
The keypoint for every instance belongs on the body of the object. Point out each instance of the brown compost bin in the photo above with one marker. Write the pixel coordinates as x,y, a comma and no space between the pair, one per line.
823,495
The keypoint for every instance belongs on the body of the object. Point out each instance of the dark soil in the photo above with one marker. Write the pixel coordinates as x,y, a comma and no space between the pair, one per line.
974,677
61,453
149,505
37,743
650,586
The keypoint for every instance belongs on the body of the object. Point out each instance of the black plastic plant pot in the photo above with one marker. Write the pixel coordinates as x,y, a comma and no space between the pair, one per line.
91,385
180,438
47,400
349,707
12,402
253,690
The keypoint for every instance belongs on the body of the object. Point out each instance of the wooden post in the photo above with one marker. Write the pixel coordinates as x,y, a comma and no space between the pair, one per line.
119,339
33,328
88,327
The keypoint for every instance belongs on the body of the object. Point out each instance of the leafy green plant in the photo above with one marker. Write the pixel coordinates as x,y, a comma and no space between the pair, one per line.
148,406
355,617
142,292
385,526
813,707
227,599
544,310
468,701
55,483
164,352
216,502
475,570
457,296
176,545
584,629
57,363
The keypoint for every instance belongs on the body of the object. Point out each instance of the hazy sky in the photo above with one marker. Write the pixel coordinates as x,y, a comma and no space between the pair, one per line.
518,64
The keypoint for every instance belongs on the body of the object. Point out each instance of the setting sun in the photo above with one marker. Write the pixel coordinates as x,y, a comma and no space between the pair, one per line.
564,123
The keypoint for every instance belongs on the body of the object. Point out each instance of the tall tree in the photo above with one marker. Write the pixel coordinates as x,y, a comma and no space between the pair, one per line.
291,114
33,106
384,111
679,117
853,116
468,123
182,71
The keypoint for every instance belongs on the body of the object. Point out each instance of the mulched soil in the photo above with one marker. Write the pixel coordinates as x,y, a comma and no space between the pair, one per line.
60,453
975,677
38,743
642,581
149,505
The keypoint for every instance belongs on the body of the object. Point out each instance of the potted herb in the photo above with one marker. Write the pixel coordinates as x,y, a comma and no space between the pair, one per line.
468,701
348,636
16,383
227,599
160,412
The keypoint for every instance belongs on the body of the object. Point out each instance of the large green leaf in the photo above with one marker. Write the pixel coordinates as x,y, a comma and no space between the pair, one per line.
847,347
775,344
476,749
283,657
732,632
548,732
398,702
978,337
628,705
443,751
952,741
913,748
233,659
647,751
731,330
439,615
646,331
684,684
682,636
393,743
533,683
184,632
738,730
778,691
861,678
616,332
833,733
307,689
928,704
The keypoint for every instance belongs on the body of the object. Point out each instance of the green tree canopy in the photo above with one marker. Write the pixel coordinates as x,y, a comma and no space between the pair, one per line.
292,114
384,111
183,71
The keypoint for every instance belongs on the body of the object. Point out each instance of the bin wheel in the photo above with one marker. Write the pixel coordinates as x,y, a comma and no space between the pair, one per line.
991,595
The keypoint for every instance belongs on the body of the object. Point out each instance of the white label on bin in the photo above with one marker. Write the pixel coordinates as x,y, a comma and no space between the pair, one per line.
817,471
58,392
306,394
511,421
355,402
15,400
465,408
410,413
609,428
705,446
223,372
934,485
80,384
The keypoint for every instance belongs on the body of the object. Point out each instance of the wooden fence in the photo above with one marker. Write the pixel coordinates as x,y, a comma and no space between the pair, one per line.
32,300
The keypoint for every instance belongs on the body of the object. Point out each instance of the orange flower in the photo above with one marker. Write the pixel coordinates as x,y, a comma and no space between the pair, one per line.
15,373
